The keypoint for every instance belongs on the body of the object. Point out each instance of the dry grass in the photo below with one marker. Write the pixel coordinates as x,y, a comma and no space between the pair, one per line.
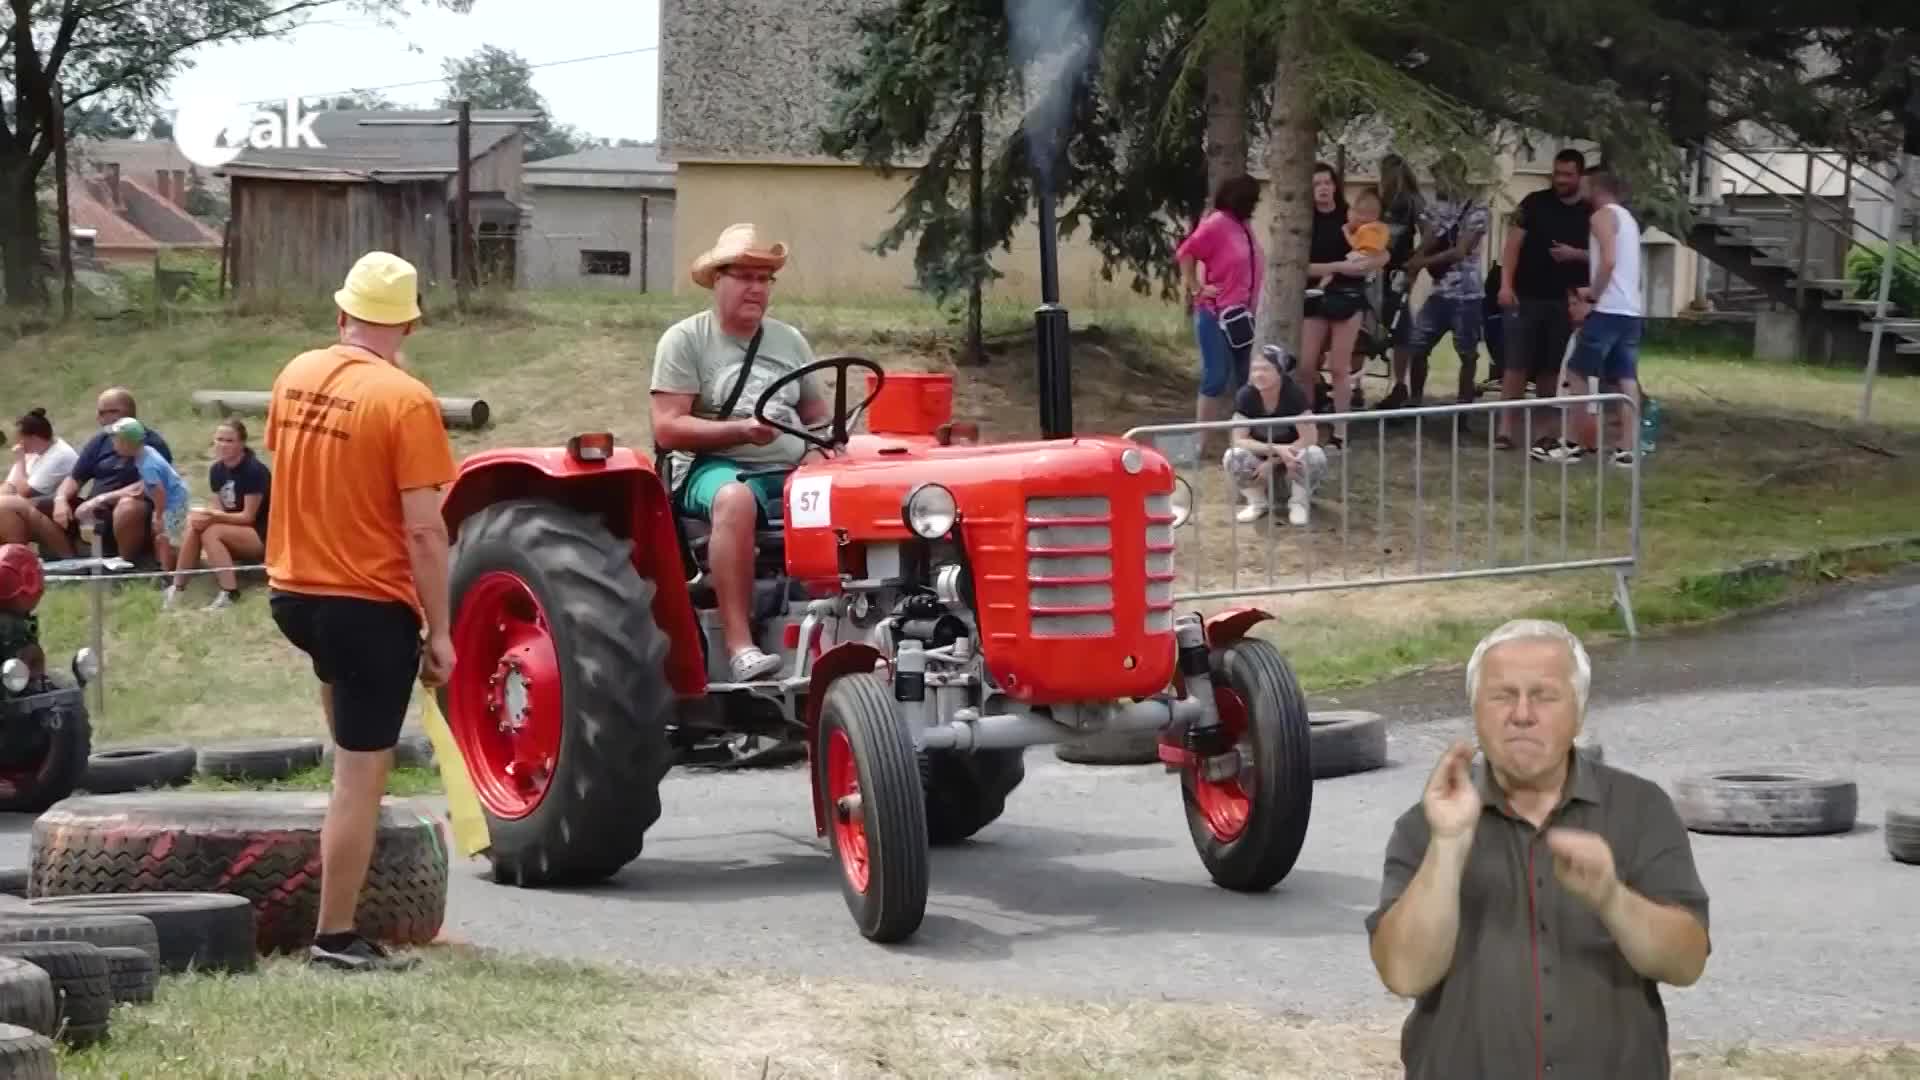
466,1014
1756,459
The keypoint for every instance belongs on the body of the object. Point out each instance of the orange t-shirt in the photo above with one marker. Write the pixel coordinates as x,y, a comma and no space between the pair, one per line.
349,432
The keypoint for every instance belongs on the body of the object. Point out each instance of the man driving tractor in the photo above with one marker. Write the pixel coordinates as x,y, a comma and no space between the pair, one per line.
727,468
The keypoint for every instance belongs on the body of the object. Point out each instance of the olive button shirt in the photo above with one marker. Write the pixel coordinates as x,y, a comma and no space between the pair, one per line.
1538,988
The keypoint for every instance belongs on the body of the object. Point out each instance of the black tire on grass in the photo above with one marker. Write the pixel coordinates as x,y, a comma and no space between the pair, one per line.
605,790
25,923
259,759
82,986
132,975
967,792
198,931
26,996
114,769
1264,851
1767,800
413,750
893,808
26,1055
1347,742
260,845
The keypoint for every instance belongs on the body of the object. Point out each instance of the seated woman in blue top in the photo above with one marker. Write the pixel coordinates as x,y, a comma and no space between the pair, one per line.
234,530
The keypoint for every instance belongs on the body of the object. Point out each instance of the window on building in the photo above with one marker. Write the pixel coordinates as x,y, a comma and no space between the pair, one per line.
607,263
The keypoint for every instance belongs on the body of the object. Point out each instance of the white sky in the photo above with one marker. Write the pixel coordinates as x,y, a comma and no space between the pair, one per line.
342,50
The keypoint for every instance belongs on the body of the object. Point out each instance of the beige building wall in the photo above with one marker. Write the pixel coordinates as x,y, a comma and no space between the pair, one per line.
829,214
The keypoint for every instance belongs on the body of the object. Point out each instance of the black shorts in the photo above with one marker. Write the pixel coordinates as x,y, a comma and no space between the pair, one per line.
1536,336
367,650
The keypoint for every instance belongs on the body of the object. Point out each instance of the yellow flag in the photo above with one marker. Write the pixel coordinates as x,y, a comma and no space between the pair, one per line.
463,805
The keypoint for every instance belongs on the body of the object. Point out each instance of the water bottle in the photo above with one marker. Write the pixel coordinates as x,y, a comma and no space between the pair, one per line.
1649,425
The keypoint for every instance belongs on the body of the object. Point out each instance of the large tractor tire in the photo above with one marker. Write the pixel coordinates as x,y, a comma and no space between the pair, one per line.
1249,829
876,809
559,701
967,792
263,846
41,766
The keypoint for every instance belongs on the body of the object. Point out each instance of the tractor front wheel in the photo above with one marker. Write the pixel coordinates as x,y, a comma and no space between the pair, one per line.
559,696
1249,828
876,809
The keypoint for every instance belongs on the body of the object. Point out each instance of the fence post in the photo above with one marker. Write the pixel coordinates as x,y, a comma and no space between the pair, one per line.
1903,179
98,586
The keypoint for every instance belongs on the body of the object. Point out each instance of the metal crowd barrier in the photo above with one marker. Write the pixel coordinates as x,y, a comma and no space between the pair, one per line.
1405,480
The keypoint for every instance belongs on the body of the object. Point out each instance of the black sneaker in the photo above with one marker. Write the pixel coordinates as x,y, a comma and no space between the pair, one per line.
1396,398
359,955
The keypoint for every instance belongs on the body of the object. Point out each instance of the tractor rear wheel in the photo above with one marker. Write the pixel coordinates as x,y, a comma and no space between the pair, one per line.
1249,828
966,792
876,810
559,698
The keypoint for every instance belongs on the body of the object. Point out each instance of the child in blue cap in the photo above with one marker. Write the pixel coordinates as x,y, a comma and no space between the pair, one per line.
160,483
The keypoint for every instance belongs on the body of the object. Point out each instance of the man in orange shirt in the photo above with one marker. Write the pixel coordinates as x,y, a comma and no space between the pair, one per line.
357,559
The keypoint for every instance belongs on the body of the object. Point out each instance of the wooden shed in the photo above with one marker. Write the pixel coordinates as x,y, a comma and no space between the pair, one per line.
300,218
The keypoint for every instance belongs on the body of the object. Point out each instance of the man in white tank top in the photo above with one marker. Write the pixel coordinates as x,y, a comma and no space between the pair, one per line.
1611,316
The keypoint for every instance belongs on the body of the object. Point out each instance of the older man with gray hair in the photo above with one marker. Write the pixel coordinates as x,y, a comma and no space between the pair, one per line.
1533,901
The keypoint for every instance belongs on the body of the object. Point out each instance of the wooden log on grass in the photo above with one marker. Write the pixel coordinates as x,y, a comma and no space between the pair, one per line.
460,412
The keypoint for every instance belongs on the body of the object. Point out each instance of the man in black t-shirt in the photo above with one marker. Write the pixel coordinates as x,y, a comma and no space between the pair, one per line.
117,501
1257,449
1545,261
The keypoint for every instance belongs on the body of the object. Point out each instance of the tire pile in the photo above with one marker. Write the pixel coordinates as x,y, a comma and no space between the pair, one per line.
142,766
66,962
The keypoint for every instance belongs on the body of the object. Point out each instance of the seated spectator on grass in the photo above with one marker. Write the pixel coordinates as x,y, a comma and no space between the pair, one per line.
234,530
40,462
1258,450
161,485
116,492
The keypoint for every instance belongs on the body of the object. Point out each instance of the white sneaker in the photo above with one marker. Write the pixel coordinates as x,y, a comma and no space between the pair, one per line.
1297,514
750,664
168,598
221,600
1253,511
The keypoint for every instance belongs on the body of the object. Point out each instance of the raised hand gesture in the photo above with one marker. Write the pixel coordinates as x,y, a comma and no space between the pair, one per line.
1451,801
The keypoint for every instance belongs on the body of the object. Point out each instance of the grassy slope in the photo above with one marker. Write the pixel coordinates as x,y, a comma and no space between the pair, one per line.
1754,462
466,1015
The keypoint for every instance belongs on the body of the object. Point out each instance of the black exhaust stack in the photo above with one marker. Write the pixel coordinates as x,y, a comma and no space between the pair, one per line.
1051,326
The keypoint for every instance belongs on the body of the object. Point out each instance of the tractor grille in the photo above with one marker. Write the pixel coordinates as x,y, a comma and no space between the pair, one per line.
1070,566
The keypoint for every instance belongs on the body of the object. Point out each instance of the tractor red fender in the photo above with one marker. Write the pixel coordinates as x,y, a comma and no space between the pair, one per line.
845,658
625,492
1227,627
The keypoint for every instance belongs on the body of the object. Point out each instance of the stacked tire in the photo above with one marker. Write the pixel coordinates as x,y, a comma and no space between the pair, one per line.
130,767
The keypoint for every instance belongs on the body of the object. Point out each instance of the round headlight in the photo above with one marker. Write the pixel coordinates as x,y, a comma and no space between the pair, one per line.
86,665
1132,460
1181,501
14,676
930,511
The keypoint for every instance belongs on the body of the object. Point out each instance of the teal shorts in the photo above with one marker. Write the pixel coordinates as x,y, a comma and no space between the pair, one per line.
710,474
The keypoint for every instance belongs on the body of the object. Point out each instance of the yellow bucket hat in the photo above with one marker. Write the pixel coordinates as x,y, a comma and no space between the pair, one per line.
383,289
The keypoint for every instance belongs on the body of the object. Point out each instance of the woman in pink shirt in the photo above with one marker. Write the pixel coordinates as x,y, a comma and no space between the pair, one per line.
1220,264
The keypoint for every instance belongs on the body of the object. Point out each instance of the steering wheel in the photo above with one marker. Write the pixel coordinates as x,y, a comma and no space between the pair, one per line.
842,417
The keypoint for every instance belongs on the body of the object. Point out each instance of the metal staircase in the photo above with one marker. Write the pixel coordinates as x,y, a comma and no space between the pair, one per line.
1779,234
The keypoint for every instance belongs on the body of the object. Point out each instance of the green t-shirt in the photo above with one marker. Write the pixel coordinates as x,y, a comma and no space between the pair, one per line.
695,356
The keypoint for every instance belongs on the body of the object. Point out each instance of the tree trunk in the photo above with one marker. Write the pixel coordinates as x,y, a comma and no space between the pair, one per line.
1226,114
1292,141
976,238
19,235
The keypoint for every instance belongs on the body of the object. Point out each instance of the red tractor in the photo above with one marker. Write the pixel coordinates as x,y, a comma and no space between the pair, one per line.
941,606
45,733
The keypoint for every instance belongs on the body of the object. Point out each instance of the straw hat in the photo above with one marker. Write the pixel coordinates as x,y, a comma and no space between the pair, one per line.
383,289
739,245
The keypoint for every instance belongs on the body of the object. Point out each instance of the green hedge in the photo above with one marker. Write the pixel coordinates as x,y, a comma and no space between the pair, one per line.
1863,269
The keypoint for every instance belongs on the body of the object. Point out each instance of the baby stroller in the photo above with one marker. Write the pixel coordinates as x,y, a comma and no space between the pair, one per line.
1384,316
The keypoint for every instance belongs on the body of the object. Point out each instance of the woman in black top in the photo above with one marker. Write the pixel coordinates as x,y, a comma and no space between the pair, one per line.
233,530
1332,320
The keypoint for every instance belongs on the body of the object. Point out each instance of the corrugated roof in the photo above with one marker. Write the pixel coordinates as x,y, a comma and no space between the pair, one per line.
370,150
645,159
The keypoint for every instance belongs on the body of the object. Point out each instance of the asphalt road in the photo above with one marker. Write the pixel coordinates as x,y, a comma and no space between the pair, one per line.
1089,885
